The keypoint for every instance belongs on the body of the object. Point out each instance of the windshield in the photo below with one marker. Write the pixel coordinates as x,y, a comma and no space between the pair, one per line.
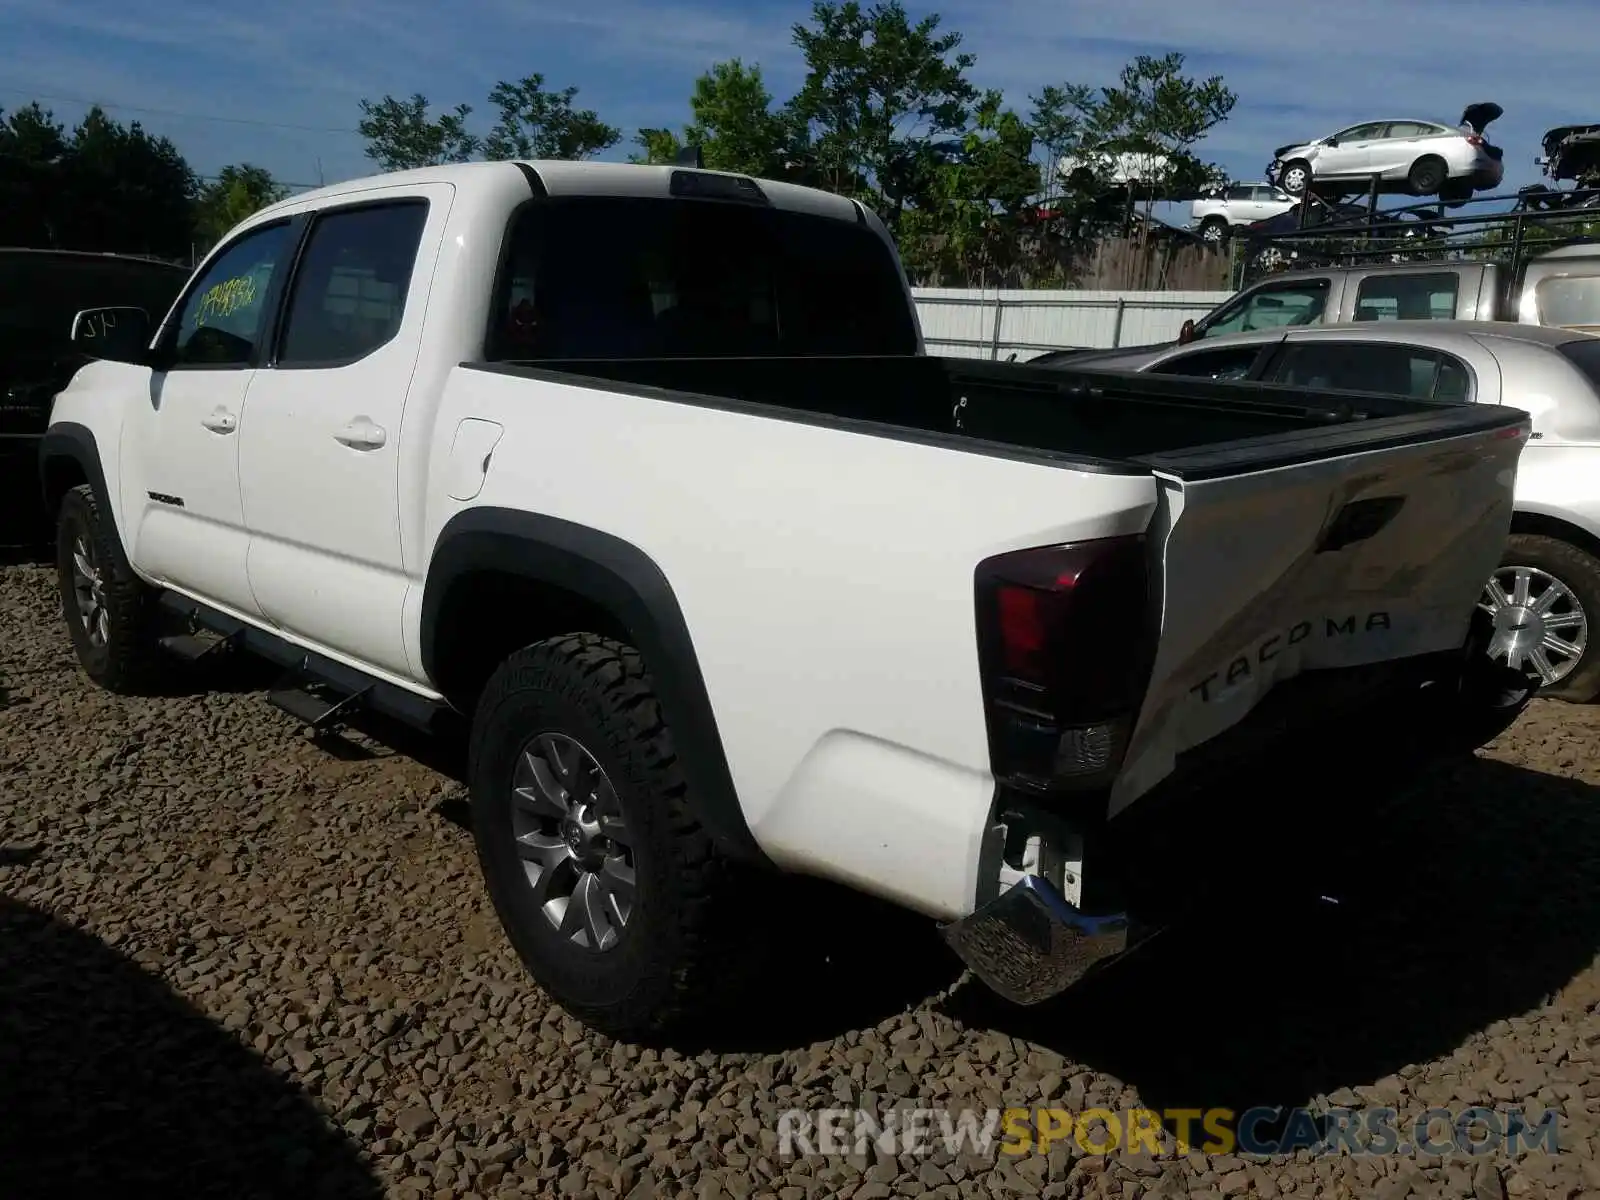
625,277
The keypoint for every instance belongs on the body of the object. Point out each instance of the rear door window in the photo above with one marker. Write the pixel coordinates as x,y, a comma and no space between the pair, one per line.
1408,297
1414,371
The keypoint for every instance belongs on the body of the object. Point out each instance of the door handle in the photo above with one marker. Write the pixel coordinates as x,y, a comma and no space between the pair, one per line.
220,420
362,434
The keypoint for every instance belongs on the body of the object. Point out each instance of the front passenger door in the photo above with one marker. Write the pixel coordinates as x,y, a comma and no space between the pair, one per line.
180,446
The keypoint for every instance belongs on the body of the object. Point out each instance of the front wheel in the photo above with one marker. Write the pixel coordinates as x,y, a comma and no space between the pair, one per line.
611,893
1295,179
110,612
1541,599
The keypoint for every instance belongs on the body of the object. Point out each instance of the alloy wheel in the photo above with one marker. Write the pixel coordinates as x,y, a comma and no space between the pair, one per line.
573,841
1539,624
88,588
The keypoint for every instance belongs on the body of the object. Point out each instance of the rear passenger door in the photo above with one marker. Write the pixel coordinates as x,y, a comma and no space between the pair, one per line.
320,451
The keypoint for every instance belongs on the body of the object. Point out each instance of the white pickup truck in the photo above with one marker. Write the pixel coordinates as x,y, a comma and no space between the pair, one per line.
644,473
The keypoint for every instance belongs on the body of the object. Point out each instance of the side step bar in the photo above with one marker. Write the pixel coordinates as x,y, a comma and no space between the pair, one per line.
315,689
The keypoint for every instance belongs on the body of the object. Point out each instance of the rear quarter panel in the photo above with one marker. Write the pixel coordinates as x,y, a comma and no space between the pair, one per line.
826,578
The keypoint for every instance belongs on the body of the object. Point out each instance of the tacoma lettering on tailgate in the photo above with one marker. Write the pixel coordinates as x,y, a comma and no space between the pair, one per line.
1241,668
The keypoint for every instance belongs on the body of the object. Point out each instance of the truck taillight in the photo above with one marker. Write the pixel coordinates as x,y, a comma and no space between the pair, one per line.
1066,638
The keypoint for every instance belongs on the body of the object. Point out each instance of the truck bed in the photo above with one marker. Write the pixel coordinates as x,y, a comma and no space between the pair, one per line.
1185,427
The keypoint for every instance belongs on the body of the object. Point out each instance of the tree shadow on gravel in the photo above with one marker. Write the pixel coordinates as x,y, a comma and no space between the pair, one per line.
1461,900
111,1084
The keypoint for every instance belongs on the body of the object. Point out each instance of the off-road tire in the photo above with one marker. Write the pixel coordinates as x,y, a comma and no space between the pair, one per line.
677,957
1580,571
1427,176
127,662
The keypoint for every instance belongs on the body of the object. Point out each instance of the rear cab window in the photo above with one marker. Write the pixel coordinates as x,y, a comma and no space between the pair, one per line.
603,277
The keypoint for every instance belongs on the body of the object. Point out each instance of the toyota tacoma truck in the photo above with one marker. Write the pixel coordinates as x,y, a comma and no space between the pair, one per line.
643,476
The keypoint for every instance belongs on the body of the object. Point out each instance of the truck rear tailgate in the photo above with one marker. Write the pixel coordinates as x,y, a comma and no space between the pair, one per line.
1337,547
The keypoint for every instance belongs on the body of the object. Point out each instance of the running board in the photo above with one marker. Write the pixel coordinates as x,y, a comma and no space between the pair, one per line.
193,647
315,704
317,690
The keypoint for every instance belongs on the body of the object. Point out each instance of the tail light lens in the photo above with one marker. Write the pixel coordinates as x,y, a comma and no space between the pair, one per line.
1066,639
1474,139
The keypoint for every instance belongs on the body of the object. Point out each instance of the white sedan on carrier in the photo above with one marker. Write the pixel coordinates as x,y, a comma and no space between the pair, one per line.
1424,158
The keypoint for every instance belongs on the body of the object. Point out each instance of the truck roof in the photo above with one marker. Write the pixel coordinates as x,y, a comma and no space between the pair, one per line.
561,177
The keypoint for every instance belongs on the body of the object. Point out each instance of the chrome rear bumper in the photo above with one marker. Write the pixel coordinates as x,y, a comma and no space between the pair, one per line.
1028,944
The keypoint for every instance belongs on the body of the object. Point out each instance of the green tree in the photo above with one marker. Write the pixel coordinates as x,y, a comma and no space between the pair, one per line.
734,123
401,135
237,192
123,190
973,221
535,123
33,145
877,89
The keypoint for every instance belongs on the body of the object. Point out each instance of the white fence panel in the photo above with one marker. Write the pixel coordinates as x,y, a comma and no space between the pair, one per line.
987,323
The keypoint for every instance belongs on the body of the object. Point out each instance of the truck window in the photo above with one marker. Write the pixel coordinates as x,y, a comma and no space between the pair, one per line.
1374,367
1272,306
1407,297
349,289
1569,301
219,324
625,277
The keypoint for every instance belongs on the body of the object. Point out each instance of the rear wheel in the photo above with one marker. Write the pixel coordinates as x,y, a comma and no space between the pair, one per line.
1427,176
1542,599
614,897
110,612
1214,231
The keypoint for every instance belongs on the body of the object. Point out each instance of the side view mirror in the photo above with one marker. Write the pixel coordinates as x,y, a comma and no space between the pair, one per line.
121,334
1186,333
1330,141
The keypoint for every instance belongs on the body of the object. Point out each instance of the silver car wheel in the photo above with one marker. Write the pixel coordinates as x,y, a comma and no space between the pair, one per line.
1539,624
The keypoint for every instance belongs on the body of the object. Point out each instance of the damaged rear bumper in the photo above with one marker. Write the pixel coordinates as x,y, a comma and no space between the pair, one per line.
1028,944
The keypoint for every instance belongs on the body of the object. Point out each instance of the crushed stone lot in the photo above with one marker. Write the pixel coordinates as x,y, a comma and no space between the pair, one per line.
235,963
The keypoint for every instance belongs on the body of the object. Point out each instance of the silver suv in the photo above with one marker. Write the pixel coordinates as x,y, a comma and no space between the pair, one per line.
1237,204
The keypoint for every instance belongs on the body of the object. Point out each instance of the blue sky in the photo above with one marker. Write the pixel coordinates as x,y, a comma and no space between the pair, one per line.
278,85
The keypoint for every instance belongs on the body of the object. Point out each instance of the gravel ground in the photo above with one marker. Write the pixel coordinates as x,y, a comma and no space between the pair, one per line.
233,963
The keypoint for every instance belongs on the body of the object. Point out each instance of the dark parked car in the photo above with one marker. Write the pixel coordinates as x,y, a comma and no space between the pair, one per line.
40,292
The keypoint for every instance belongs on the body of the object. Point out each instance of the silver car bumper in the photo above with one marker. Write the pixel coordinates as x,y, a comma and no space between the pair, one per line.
1029,944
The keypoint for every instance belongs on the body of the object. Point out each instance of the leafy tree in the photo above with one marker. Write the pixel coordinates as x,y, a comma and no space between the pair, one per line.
123,190
237,192
535,123
734,124
877,90
973,220
401,135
